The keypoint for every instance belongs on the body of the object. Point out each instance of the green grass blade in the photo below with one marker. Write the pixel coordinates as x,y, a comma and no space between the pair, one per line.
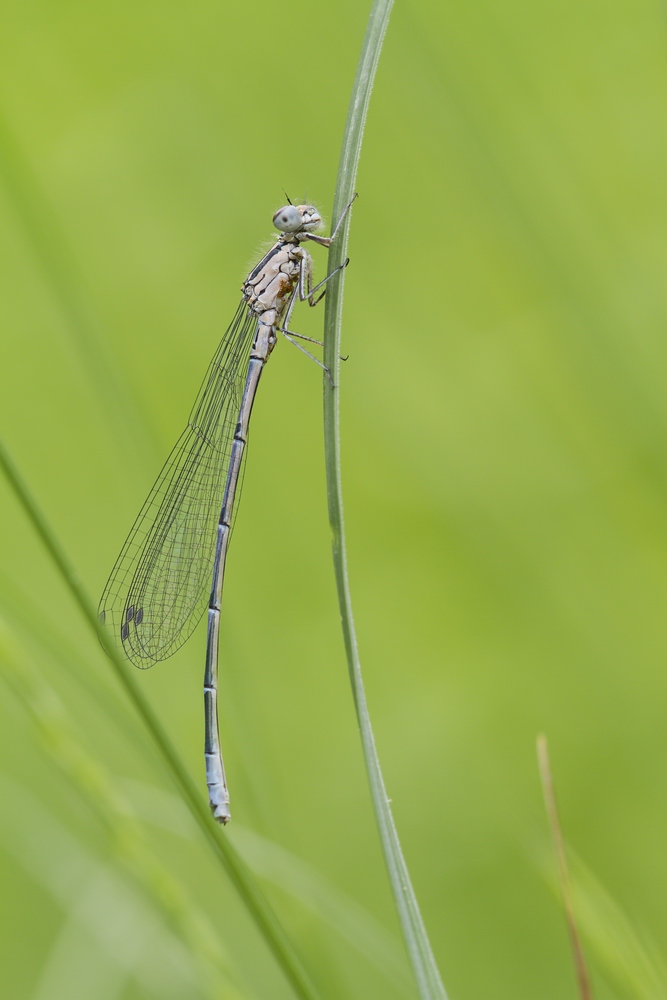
296,878
98,788
92,894
416,939
332,906
628,957
624,953
240,876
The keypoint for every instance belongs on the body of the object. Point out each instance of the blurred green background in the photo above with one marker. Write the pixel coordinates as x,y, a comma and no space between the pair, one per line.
504,428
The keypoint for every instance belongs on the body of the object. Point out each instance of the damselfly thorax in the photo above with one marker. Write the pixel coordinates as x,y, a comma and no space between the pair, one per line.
270,286
271,283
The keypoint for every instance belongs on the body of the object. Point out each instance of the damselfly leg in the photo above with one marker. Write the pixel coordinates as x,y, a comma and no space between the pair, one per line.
305,293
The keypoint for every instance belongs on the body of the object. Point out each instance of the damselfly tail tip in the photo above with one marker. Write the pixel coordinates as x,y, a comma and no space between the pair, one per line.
223,816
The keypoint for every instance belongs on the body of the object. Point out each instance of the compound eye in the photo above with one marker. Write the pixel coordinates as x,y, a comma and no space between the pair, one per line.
288,219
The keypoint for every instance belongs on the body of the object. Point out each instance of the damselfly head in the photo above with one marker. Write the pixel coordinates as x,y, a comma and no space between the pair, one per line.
295,218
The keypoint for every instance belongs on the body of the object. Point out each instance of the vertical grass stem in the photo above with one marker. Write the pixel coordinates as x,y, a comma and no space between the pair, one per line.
416,939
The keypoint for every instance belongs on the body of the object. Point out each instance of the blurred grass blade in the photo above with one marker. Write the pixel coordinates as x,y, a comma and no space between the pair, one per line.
285,870
62,271
635,967
53,641
108,921
237,871
332,906
102,795
416,939
631,962
546,777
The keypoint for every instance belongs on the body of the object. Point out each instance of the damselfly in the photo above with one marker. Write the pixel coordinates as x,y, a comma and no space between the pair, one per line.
157,591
